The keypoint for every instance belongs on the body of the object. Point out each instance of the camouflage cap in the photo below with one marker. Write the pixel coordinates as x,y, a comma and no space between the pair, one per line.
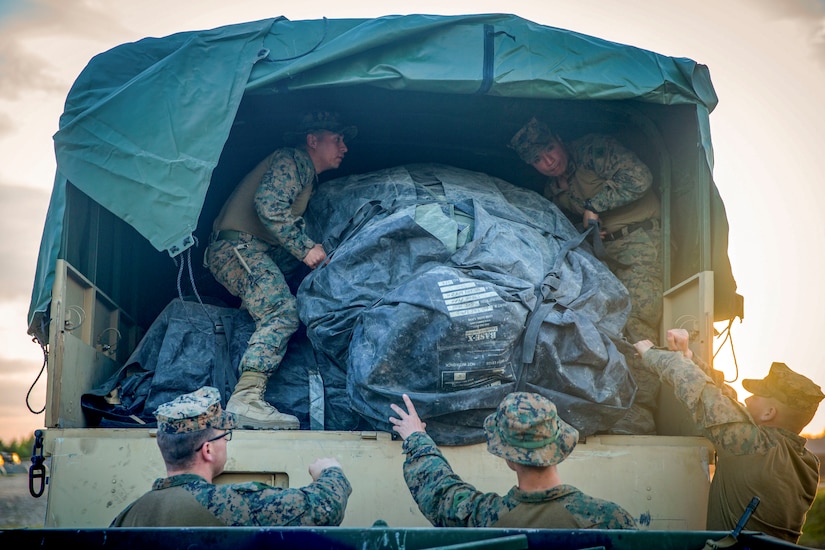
322,120
193,412
526,429
531,140
786,386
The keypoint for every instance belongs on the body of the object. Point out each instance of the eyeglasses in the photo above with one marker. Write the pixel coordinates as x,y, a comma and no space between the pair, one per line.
227,434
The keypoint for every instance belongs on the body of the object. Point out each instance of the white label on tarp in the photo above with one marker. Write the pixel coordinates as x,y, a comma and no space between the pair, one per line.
466,298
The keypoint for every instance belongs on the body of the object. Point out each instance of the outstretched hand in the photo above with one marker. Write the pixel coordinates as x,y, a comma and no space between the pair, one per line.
408,422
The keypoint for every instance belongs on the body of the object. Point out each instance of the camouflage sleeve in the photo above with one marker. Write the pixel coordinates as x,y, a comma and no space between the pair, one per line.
718,377
619,518
321,503
626,177
596,513
327,497
288,175
724,421
442,497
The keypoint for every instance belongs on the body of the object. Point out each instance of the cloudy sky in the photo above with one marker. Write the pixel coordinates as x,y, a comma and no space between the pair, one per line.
767,63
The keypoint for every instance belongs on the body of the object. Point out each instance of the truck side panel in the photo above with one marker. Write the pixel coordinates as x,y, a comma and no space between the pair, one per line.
662,481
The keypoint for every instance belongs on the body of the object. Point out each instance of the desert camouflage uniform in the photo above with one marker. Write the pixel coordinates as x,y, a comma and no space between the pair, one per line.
188,500
272,242
770,463
446,501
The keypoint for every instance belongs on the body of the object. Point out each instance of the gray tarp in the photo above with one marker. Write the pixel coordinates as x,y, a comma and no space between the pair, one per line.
458,288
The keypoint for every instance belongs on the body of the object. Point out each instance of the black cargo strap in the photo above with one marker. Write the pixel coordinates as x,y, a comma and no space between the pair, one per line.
488,67
598,247
487,71
549,286
223,373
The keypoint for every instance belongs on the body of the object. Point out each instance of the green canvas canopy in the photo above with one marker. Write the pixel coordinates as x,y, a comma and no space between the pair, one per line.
146,123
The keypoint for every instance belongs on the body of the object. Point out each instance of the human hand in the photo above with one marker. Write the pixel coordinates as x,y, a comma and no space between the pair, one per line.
409,422
315,256
589,216
678,339
642,346
321,464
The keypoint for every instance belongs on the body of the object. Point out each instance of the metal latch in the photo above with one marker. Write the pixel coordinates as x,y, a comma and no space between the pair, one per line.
37,470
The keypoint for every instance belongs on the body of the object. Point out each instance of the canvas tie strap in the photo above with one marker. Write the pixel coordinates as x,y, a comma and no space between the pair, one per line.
595,230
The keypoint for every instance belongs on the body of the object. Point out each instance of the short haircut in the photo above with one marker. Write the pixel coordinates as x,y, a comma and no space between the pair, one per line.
530,467
178,450
796,419
301,140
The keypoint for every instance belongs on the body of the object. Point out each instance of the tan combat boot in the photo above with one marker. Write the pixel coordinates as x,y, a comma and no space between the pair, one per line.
248,404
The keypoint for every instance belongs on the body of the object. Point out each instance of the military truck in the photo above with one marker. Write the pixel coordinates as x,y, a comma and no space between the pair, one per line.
156,133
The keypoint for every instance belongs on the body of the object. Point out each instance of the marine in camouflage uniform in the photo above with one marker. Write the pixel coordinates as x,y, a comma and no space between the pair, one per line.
188,499
757,455
596,178
527,432
259,241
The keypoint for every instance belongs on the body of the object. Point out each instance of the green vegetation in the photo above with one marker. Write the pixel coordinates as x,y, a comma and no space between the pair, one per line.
22,447
813,533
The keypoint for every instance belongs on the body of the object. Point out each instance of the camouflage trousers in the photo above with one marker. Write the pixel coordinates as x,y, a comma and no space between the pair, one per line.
641,252
259,281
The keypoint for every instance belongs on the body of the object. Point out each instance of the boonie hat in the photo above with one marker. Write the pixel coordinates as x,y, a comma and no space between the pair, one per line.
321,120
531,140
526,429
193,412
786,386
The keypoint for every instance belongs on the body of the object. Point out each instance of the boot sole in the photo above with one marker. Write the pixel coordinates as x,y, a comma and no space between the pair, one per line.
245,423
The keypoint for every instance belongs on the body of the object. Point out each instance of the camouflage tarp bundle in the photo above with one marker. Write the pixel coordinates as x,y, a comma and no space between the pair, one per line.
457,288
